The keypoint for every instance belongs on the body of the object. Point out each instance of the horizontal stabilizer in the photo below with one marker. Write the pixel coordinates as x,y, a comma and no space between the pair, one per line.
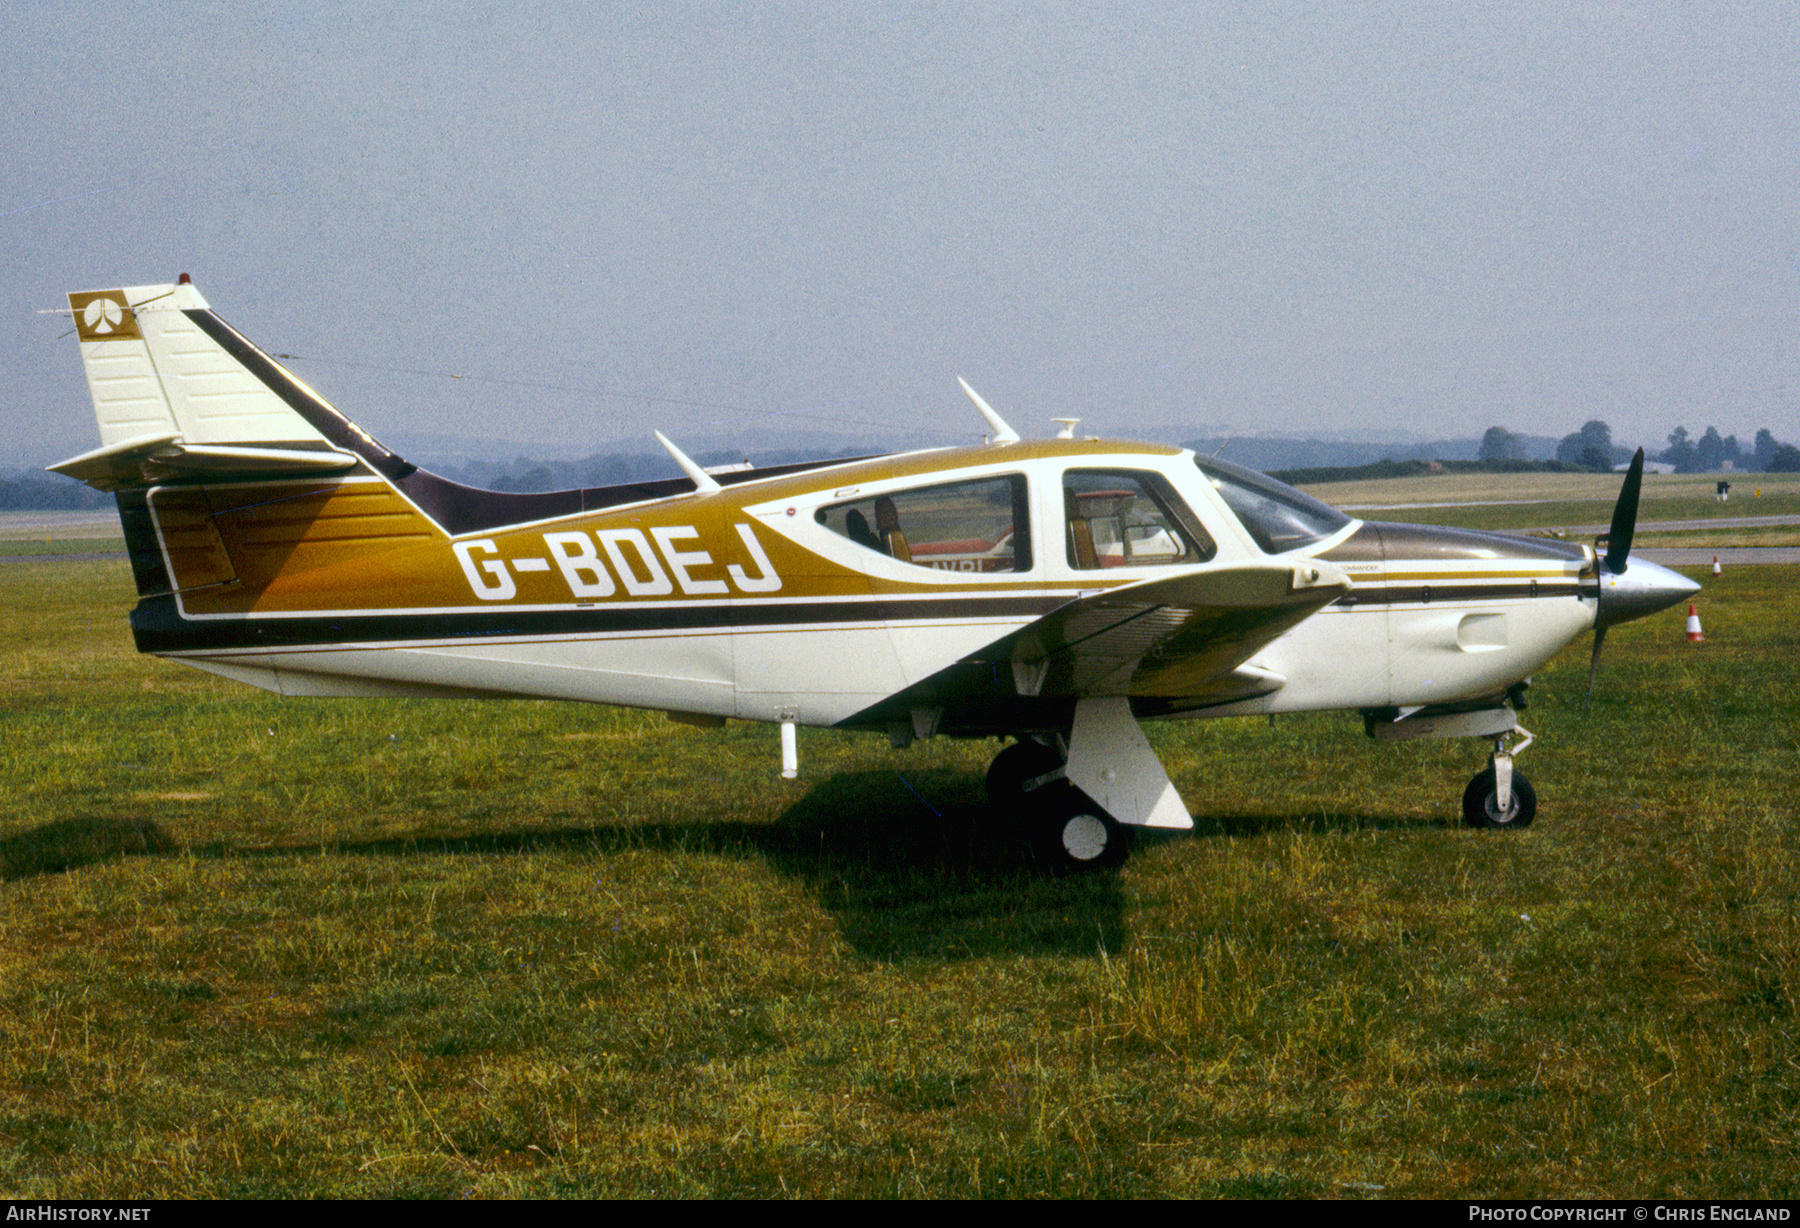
179,392
151,459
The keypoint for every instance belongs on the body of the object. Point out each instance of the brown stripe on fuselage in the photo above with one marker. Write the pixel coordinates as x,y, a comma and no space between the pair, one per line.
1413,562
1377,541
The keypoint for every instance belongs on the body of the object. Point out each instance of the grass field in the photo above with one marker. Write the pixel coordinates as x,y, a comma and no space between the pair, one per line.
1720,538
62,545
1549,500
256,947
53,532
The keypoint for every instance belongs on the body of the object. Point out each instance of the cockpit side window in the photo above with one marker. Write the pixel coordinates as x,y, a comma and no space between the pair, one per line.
972,527
1277,517
1121,518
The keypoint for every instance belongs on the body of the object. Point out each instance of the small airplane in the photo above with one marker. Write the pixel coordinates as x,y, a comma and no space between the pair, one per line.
1053,592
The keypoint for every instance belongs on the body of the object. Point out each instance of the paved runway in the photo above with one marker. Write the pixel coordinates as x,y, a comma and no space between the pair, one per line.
1694,556
1729,557
104,519
1677,526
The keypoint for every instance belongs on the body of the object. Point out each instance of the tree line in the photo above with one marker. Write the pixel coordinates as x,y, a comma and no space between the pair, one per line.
36,490
1592,448
28,490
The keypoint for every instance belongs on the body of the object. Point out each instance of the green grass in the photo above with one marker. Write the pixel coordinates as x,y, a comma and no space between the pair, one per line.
1723,537
1544,501
264,947
1598,512
64,545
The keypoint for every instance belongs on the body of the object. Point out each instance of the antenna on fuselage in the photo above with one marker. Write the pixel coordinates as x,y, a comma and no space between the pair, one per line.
703,481
1002,432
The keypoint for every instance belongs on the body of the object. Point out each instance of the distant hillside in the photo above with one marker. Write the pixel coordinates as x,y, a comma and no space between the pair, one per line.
1272,454
33,490
1295,460
1413,468
524,473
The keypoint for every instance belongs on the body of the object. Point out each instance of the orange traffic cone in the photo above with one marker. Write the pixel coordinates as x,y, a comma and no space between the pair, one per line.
1695,635
1716,568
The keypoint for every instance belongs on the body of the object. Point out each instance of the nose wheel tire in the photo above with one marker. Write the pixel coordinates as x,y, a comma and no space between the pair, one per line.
1078,835
1481,806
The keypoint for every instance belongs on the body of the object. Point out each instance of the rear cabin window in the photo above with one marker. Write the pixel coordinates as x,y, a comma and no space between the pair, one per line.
971,527
1117,518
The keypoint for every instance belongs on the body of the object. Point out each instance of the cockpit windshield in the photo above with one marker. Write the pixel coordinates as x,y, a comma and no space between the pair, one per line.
1278,517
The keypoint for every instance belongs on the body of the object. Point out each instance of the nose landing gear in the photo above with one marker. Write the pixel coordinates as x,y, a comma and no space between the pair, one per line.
1500,796
1482,806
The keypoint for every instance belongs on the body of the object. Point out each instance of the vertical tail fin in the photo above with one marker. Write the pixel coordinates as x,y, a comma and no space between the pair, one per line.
177,390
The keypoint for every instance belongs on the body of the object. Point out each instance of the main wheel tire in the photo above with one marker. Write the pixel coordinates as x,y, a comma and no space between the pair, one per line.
1481,806
1023,761
1078,835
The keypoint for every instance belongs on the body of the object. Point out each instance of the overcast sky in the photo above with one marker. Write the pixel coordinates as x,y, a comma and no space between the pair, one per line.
724,220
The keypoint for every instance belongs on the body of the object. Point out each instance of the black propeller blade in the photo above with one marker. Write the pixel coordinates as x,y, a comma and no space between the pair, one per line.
1624,517
1618,547
1594,661
1646,588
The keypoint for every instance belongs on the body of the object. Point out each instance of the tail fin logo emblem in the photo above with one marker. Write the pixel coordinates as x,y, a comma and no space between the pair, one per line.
104,316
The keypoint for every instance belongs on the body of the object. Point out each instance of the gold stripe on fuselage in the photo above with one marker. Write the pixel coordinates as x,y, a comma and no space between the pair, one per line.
358,545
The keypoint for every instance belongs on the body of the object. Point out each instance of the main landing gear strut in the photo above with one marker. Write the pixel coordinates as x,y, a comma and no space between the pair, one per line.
1029,781
1083,795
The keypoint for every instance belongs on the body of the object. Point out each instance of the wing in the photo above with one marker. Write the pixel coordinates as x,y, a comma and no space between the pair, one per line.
1165,644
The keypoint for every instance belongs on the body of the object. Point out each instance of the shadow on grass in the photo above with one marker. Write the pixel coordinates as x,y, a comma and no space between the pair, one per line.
919,866
70,843
912,866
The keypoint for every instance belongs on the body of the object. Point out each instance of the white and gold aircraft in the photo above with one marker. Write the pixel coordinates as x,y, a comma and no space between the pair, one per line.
1054,592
